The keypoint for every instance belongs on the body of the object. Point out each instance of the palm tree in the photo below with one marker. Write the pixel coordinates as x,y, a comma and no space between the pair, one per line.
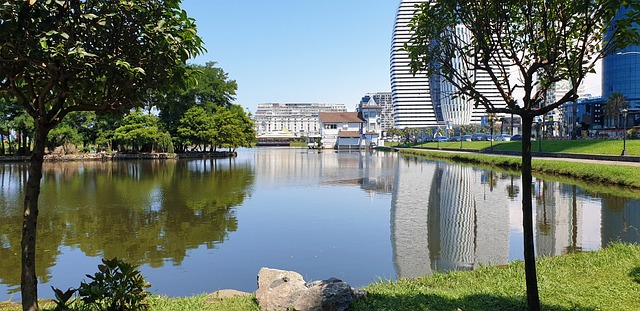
615,103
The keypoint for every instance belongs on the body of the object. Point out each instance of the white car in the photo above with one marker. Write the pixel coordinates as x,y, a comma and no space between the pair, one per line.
502,138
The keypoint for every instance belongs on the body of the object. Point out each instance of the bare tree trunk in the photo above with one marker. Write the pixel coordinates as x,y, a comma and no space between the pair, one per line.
29,281
533,299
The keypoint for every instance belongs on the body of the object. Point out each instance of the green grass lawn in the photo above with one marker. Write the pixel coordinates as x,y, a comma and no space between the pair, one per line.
608,279
606,147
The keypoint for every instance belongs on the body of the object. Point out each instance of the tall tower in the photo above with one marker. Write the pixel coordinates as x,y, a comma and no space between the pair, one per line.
421,101
412,104
621,72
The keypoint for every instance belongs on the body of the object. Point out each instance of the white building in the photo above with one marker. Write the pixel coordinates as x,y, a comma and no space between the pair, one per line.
341,130
381,99
301,119
412,102
421,101
372,114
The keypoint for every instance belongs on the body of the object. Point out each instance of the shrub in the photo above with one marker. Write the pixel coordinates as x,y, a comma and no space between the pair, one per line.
117,286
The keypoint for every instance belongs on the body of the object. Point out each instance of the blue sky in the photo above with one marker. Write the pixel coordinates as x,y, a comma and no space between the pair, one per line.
330,51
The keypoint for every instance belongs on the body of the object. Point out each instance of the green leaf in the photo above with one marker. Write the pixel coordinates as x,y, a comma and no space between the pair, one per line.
90,16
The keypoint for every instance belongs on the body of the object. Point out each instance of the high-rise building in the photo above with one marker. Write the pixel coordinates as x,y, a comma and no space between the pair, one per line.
621,72
420,101
412,102
301,119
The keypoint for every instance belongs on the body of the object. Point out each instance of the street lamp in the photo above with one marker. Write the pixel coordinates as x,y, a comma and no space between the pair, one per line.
538,125
625,112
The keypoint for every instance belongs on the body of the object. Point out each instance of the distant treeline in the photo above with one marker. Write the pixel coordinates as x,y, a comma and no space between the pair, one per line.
200,118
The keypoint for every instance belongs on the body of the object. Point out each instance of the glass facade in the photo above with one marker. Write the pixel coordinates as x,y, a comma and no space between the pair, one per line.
621,73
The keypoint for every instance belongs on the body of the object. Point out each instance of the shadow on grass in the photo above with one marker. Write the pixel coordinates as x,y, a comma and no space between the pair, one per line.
478,302
635,274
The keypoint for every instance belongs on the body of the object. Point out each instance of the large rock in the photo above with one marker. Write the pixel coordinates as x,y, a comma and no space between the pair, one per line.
278,289
286,290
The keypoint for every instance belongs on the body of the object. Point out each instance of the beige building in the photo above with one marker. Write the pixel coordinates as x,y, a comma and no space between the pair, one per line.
300,119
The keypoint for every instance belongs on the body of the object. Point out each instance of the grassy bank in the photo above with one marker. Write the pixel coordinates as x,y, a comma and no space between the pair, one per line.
616,175
608,279
606,147
605,280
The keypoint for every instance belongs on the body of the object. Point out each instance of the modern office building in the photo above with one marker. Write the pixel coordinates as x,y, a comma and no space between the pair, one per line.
621,73
301,119
412,102
420,101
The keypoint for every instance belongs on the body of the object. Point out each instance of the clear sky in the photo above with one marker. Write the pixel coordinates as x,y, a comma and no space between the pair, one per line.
329,51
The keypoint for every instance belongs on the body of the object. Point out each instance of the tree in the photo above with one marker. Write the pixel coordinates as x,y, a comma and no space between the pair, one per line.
536,42
615,103
63,135
196,127
214,89
233,128
61,56
140,131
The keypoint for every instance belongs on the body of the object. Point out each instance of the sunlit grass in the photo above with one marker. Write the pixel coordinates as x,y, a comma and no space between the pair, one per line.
603,280
608,279
604,147
613,175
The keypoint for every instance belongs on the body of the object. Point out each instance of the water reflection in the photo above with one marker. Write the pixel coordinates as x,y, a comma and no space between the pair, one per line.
447,217
149,212
450,217
358,216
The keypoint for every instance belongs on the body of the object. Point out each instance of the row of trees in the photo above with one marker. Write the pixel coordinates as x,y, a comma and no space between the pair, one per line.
201,117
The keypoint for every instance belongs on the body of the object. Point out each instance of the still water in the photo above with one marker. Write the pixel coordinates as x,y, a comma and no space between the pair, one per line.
197,226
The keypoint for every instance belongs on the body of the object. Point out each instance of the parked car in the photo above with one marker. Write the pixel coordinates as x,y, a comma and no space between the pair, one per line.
502,137
516,137
466,137
454,138
440,139
479,136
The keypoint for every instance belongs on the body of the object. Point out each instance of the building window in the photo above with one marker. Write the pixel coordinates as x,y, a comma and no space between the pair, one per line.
330,126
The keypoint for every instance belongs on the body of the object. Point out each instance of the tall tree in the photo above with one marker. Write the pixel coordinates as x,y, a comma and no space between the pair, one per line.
214,89
615,103
233,128
524,47
70,55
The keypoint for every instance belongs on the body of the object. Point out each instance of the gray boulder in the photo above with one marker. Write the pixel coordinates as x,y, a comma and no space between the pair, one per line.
286,290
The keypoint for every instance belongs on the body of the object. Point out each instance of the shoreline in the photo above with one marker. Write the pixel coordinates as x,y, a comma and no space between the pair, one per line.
123,156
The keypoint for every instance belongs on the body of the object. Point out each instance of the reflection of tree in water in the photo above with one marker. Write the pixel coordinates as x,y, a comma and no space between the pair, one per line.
12,179
146,212
620,219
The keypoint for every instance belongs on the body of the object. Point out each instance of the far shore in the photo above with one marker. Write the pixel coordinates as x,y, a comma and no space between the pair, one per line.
104,156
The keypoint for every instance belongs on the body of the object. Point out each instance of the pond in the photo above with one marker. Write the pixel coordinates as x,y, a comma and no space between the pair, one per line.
196,226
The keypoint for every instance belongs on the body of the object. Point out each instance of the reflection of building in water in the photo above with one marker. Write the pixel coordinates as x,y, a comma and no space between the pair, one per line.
371,170
558,217
409,218
447,217
620,220
457,213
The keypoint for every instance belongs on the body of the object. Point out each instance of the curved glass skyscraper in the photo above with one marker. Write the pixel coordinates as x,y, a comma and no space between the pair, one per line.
412,104
420,101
